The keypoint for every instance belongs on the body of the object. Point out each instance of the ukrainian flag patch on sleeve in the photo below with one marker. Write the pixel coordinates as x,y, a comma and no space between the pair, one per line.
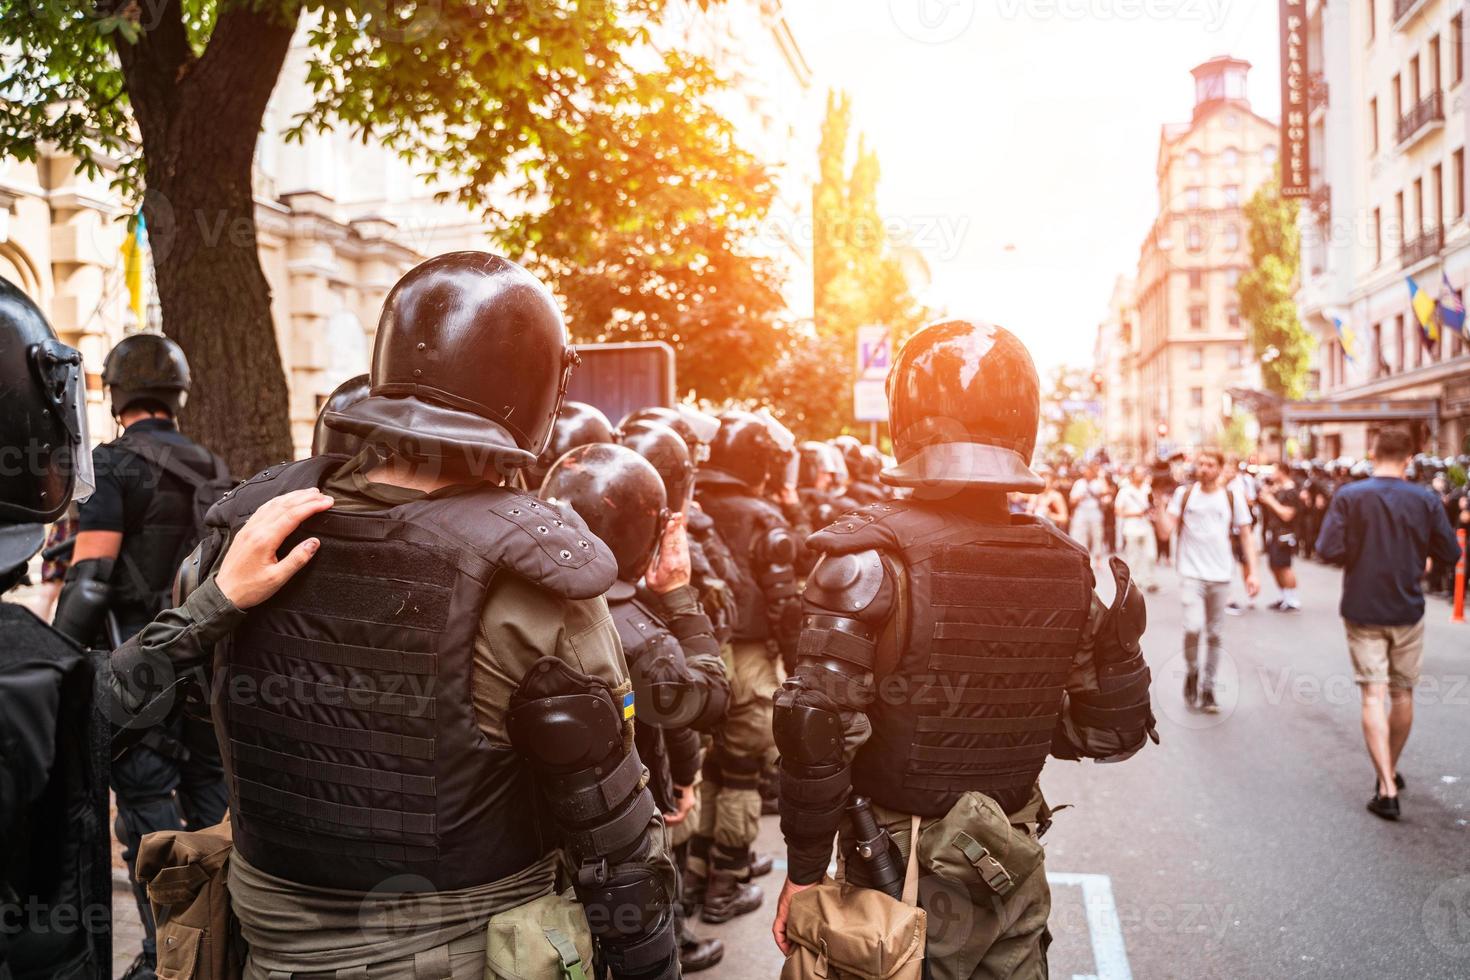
628,706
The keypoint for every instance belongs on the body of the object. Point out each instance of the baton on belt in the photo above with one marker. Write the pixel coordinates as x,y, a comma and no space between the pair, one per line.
875,849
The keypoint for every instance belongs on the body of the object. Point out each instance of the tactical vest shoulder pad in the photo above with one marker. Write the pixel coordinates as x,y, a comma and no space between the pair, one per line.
543,544
238,504
873,527
636,625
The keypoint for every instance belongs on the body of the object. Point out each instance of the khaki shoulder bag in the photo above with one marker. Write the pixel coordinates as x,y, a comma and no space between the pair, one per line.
842,932
198,935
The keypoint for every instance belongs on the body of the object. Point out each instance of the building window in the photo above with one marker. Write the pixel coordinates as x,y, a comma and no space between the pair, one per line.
1268,154
1418,205
1377,236
1197,397
1373,123
1434,63
1196,318
1414,80
1196,238
1230,157
1436,195
1232,195
1398,214
1234,357
1191,198
1398,97
1232,316
1196,358
1196,279
1457,180
1232,237
1398,343
1457,51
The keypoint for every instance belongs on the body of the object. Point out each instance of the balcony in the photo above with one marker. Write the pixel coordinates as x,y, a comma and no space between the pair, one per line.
1427,115
1426,246
1316,91
1404,11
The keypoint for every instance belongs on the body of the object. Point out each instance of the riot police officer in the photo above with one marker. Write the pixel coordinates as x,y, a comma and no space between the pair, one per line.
819,483
326,441
577,424
947,592
863,465
54,861
763,553
153,487
433,719
679,680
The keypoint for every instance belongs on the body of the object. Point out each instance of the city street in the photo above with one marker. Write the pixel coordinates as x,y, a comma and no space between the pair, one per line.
1240,847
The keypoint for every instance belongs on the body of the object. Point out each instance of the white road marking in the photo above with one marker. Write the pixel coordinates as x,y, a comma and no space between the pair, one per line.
1110,956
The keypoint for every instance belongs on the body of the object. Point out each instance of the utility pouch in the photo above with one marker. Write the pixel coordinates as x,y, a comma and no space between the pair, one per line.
547,938
976,845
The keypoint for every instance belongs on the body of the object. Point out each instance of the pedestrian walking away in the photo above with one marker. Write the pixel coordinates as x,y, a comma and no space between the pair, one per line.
1383,531
1136,526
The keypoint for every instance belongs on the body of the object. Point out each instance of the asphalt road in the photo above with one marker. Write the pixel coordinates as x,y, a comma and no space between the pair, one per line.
1240,846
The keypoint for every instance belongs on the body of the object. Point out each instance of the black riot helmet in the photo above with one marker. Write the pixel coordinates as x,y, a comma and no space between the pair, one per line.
470,365
743,448
577,424
43,428
963,406
335,442
817,458
620,496
146,367
873,462
697,428
669,454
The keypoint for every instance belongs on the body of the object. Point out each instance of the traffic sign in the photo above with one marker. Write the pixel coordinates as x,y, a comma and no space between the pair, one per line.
874,352
869,401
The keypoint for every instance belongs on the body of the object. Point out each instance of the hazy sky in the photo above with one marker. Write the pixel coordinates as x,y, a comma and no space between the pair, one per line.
1028,123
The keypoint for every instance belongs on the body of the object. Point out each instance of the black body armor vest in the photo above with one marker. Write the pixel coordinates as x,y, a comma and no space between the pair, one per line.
54,857
742,522
143,577
347,732
995,615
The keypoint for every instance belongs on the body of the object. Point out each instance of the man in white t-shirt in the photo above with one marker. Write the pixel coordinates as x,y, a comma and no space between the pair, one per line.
1089,496
1207,518
1134,508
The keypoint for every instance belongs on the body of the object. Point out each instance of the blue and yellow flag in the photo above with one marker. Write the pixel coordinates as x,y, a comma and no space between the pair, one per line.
1452,307
135,254
1349,339
1426,311
628,706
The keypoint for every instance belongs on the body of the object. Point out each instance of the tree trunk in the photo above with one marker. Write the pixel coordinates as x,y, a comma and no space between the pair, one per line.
200,117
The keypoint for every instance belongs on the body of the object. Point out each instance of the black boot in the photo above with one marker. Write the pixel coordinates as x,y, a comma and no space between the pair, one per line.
726,897
696,953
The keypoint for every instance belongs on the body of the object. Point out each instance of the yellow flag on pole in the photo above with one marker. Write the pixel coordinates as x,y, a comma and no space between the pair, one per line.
135,255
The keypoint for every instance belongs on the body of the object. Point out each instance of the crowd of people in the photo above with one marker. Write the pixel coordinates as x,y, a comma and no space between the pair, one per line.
1113,509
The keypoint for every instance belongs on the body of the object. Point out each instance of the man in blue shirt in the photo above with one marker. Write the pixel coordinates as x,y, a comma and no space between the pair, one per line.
1384,530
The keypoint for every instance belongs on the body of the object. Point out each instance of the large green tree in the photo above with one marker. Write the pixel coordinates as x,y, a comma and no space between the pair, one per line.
1267,292
482,93
857,279
665,205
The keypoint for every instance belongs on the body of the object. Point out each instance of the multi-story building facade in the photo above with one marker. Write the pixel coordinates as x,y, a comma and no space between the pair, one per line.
1114,375
1192,345
1388,139
339,220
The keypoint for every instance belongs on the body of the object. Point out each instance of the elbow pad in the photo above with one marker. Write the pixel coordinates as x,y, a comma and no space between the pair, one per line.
569,728
815,776
776,563
669,695
85,597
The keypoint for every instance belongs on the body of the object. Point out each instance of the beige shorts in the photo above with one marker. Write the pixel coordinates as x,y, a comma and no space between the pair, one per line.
1386,654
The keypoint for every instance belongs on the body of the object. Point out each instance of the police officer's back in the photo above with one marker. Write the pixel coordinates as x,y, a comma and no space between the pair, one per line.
54,866
982,635
437,704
